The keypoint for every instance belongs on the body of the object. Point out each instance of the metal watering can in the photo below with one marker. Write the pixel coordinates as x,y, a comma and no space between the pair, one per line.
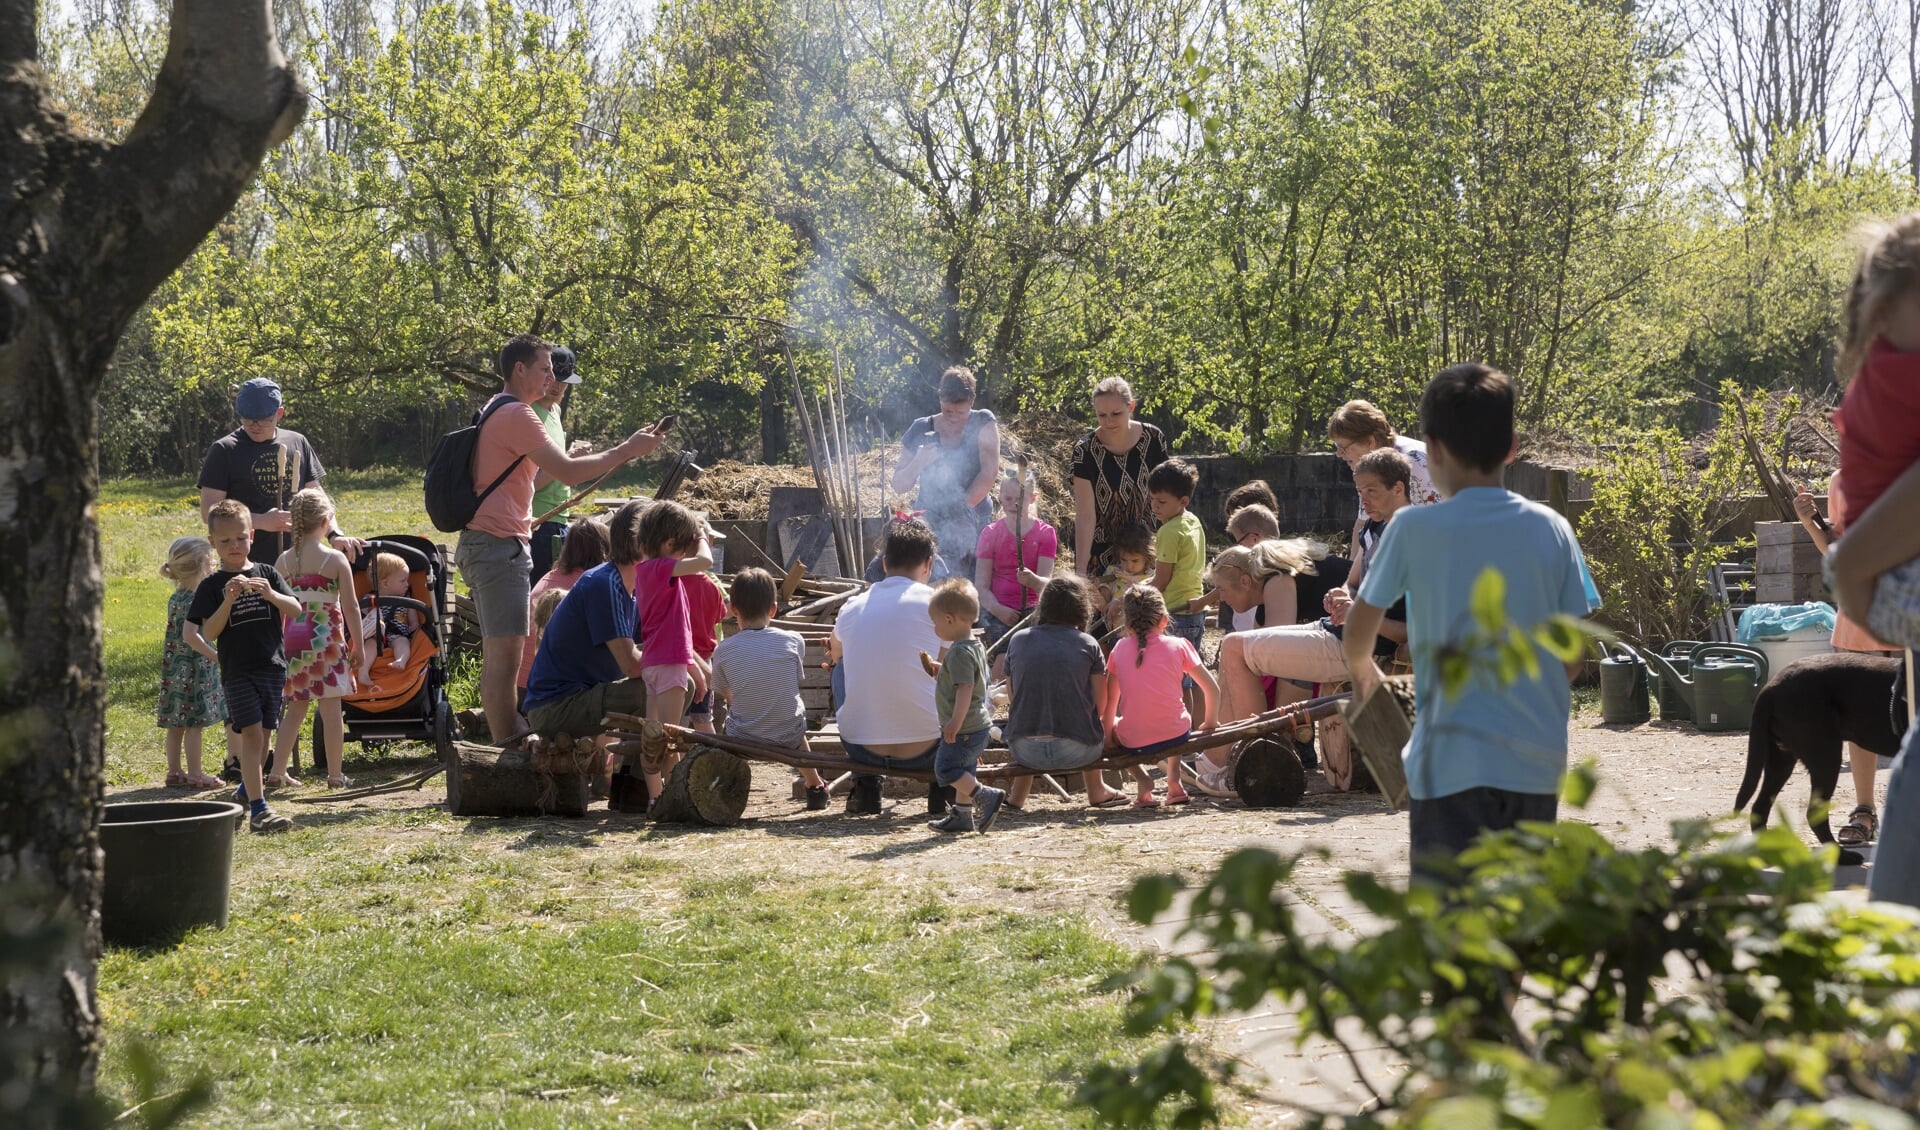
1623,685
1720,688
1667,692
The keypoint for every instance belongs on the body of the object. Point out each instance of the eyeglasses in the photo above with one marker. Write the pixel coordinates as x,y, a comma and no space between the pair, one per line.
1250,538
1342,446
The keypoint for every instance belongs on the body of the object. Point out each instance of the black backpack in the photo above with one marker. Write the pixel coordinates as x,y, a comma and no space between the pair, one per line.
451,498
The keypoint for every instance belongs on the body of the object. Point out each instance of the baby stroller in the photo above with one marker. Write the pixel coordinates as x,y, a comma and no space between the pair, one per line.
406,701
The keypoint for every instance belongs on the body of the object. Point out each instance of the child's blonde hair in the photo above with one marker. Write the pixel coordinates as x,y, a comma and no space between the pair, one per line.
544,606
309,510
1143,608
1029,494
1889,267
190,560
387,565
1295,557
1253,518
955,597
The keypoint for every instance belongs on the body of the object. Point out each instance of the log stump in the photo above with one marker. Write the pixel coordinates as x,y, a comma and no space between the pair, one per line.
484,780
1268,774
709,786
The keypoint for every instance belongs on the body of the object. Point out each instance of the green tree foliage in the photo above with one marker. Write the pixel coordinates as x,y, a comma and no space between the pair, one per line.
470,200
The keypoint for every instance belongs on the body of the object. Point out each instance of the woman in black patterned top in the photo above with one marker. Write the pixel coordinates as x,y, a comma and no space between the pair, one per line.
1110,465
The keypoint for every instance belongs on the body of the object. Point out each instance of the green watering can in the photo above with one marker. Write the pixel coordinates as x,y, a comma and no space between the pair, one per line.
1720,688
1623,685
1667,692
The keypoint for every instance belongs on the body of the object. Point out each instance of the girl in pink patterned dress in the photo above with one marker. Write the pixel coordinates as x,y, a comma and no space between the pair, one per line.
324,640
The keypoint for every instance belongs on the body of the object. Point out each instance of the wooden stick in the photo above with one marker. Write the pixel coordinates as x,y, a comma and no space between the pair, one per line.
824,604
404,784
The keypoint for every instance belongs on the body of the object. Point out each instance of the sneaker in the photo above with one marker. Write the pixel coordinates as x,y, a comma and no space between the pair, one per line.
986,806
627,792
1215,781
1309,756
959,818
817,799
939,799
863,799
269,821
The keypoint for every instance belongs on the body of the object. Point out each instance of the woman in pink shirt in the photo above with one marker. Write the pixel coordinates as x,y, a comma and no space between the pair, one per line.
1144,712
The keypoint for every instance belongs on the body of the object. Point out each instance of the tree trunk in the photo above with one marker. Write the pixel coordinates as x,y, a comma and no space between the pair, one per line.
773,420
486,780
88,230
709,786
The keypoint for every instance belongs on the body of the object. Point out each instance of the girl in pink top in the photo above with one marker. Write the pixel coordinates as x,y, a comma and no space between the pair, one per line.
672,546
585,546
1009,581
1145,711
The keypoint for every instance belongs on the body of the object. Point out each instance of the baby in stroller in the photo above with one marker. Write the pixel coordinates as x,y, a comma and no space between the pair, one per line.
389,579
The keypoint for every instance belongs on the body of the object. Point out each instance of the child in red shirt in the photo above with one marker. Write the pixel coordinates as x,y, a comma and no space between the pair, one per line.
674,548
706,607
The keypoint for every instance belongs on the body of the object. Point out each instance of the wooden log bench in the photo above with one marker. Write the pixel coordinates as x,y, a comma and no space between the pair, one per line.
1268,773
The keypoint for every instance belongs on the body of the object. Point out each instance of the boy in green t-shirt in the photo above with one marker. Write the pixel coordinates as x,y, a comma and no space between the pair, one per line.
1180,549
960,697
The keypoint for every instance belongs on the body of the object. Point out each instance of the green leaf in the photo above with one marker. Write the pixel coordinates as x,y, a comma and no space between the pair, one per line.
1489,601
1577,789
1151,896
1572,1108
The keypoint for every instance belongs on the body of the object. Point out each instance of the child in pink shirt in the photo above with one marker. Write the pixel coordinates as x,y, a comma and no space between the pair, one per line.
673,547
1144,712
1009,579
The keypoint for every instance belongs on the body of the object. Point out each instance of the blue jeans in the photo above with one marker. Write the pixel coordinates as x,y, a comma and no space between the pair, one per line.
861,755
992,629
958,758
1049,754
1896,857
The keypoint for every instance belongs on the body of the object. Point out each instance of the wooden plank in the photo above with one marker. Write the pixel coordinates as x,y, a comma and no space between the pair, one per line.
1780,533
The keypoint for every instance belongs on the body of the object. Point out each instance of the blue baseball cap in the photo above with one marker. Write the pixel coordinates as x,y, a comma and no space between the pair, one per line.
563,365
259,399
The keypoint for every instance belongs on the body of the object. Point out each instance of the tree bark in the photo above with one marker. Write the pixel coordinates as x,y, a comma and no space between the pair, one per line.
88,230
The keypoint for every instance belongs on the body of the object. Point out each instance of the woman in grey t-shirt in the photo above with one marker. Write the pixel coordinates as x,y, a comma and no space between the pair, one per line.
1058,674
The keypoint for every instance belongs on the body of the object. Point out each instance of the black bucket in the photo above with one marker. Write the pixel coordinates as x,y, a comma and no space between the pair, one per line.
168,866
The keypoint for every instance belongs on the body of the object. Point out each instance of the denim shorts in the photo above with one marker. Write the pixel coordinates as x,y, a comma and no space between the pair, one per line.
1189,626
253,697
957,758
1049,754
1149,752
702,706
495,570
1441,828
991,629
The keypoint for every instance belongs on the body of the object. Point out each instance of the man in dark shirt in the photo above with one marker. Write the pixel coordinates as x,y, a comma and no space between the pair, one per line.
261,465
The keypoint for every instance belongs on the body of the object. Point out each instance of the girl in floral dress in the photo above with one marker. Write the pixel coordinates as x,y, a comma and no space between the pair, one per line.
190,694
322,642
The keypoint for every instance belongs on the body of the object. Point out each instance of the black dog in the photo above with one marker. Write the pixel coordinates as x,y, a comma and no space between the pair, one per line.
1805,713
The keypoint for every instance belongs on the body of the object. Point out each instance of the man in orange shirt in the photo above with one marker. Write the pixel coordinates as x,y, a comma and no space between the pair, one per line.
493,552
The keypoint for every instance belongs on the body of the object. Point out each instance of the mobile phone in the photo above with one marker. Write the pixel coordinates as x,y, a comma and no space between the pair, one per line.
665,425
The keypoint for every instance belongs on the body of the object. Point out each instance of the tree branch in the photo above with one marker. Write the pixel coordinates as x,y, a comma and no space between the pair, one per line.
224,96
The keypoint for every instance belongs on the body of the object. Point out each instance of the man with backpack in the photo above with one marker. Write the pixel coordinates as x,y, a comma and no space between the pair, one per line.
511,447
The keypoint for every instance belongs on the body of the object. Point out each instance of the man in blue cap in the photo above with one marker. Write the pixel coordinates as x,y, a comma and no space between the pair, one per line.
261,465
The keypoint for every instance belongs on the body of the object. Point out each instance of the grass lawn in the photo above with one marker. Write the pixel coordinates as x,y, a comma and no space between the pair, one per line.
389,965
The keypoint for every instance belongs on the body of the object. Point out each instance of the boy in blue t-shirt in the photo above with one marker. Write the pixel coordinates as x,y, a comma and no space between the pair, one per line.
1491,755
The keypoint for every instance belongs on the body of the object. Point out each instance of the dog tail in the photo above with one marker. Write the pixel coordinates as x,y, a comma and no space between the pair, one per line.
1759,749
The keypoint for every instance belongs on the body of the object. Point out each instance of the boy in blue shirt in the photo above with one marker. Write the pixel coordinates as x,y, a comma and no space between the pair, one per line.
1490,756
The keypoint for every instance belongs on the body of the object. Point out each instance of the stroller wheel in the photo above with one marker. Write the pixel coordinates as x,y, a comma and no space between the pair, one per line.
444,731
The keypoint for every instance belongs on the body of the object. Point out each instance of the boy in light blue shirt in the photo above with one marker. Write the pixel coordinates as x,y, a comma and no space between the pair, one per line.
1489,756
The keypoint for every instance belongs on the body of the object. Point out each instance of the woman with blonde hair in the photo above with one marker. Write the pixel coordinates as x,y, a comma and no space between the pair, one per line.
1110,468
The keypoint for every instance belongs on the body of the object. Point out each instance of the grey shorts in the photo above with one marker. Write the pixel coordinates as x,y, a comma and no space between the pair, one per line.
495,570
579,715
1441,828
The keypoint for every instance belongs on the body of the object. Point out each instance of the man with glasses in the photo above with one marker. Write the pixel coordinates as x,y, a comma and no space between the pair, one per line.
261,465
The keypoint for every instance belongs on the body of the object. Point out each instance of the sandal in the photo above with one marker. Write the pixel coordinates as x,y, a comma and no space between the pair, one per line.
1179,798
339,781
1114,801
280,781
1146,802
176,779
1861,827
203,782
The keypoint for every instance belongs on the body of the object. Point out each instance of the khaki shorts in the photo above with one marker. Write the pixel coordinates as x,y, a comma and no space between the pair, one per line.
496,571
1306,652
579,715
